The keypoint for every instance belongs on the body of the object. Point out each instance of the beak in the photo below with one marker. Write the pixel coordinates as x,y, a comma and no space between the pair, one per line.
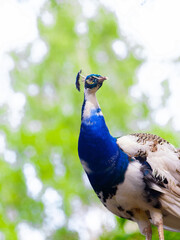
101,79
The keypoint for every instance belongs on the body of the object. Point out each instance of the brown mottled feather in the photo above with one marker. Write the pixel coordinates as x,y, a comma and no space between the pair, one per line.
144,137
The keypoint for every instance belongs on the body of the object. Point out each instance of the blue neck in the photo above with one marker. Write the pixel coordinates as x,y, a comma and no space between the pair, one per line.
104,163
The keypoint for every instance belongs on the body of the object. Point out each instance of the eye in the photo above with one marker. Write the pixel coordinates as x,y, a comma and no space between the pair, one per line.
91,80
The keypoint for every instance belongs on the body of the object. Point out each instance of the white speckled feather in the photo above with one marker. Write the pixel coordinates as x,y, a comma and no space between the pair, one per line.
164,159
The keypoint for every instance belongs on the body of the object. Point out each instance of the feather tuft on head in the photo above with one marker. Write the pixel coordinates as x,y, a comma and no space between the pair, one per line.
78,78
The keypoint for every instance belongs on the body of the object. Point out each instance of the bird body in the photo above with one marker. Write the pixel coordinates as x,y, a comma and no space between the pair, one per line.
137,176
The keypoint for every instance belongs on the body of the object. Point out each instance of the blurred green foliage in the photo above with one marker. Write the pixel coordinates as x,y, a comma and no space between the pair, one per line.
47,137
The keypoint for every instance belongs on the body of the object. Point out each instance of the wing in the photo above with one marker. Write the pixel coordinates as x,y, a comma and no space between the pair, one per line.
164,161
162,156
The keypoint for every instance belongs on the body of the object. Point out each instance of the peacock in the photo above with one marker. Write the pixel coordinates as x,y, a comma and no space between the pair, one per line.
137,176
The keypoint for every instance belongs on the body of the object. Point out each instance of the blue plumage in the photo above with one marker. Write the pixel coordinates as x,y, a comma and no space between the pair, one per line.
137,176
100,152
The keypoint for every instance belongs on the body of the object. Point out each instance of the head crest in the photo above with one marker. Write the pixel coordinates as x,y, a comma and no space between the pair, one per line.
78,78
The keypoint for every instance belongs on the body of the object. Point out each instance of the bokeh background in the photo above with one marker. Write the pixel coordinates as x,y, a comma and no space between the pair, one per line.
44,193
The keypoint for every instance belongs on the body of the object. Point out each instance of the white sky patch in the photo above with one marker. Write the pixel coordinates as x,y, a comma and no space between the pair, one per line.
150,84
34,126
120,49
59,168
30,151
89,8
101,57
16,104
2,142
81,28
12,214
10,156
67,109
55,217
33,89
39,50
162,116
173,110
153,25
90,221
49,90
159,35
17,100
51,197
17,25
2,236
151,75
6,65
34,185
47,18
27,232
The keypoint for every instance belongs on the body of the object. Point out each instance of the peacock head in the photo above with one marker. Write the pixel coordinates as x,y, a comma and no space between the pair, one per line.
92,82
